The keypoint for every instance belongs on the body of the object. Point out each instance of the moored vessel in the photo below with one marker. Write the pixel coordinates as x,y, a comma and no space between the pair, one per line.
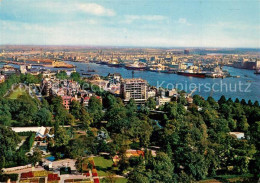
191,73
136,66
115,64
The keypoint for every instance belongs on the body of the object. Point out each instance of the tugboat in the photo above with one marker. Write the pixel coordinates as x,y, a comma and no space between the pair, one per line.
87,74
90,70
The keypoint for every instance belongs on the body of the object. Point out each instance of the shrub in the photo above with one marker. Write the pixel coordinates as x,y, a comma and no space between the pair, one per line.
28,143
25,133
5,177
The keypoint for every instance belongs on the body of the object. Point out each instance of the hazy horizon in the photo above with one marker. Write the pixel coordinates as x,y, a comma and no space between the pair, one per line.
118,46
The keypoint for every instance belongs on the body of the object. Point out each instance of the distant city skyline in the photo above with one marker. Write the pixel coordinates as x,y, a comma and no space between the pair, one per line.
145,23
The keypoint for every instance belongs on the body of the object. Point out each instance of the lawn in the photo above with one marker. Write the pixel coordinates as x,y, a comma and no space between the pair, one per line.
121,180
23,137
17,92
103,165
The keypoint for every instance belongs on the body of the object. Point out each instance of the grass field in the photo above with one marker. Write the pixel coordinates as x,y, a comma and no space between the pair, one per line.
121,180
16,93
23,137
103,165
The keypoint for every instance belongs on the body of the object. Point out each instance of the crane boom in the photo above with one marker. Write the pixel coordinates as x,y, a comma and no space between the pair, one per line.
192,91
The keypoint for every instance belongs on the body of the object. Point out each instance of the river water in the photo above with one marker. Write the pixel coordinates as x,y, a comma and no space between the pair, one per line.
246,87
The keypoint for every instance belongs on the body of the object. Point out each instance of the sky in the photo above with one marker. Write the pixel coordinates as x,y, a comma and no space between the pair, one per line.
148,23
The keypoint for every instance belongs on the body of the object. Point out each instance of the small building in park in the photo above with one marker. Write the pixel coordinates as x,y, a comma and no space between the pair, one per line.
237,135
41,133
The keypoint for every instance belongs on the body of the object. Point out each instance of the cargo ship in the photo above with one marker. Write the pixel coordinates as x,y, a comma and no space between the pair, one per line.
191,73
136,66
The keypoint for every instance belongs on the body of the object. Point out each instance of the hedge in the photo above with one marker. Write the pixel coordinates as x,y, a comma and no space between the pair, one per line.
25,133
5,177
28,143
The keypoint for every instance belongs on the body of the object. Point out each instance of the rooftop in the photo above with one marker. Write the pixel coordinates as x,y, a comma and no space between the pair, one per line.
134,80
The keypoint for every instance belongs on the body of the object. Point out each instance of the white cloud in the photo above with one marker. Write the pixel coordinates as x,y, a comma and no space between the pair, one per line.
73,7
131,18
183,21
95,9
64,33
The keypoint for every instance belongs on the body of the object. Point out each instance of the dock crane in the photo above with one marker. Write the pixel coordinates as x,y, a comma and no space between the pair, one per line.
189,95
211,92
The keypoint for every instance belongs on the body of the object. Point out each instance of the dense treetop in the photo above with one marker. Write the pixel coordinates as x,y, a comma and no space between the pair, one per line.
193,139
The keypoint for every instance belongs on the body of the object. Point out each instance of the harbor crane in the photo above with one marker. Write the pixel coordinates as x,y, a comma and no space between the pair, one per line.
211,92
189,95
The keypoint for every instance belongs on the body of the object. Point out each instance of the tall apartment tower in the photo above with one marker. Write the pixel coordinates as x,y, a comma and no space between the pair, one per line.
46,86
134,89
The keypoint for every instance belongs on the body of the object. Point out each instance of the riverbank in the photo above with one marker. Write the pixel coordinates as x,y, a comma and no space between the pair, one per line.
228,86
54,65
246,86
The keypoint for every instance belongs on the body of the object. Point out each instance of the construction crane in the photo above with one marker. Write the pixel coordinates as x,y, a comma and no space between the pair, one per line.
211,92
189,95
